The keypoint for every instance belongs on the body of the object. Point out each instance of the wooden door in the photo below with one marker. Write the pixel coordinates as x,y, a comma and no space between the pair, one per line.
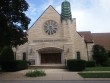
51,58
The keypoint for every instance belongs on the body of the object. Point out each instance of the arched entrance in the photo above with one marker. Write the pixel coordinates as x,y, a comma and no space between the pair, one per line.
50,55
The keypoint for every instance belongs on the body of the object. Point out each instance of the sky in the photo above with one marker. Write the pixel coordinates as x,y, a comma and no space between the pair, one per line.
91,15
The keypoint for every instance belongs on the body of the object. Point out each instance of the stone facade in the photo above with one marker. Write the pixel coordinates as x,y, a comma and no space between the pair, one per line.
66,41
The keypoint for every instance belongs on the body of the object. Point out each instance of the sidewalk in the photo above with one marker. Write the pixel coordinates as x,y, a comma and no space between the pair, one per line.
51,74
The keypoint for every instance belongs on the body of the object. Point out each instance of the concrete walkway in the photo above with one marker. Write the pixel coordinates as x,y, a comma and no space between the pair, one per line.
51,74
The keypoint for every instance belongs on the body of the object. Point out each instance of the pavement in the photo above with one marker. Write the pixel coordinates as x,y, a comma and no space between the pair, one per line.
51,74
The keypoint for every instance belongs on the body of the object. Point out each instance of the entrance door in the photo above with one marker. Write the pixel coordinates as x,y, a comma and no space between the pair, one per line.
49,58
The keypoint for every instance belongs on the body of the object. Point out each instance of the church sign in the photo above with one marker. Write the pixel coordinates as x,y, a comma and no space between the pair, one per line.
57,40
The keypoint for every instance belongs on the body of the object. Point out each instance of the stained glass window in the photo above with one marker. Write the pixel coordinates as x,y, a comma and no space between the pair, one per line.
50,27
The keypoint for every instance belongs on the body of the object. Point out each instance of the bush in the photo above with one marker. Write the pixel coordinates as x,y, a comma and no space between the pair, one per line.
108,53
22,64
90,64
14,65
6,54
99,54
0,68
76,65
35,73
106,64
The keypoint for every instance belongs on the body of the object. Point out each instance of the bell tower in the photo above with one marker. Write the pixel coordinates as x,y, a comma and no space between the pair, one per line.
66,11
66,20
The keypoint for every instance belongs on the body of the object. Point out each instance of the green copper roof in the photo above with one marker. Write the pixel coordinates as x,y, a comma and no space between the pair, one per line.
66,11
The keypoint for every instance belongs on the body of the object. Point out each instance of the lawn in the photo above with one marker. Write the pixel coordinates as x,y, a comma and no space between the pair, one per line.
97,69
95,75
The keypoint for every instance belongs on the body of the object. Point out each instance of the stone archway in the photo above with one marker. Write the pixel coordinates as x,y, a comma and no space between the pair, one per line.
51,55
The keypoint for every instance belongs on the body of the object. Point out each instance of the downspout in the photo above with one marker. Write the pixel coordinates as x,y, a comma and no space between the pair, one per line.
87,52
27,51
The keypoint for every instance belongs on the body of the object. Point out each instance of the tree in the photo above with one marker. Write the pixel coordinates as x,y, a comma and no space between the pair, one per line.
99,54
13,22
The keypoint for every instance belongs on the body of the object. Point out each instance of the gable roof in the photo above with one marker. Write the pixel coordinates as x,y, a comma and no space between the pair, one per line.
87,36
102,39
42,15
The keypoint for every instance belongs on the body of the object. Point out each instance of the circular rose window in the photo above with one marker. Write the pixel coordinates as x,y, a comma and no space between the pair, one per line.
50,27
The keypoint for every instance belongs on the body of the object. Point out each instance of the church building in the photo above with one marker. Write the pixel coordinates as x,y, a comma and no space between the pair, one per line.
53,39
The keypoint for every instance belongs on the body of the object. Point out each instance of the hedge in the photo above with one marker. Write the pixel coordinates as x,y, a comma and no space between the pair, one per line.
90,64
14,65
6,54
106,63
76,65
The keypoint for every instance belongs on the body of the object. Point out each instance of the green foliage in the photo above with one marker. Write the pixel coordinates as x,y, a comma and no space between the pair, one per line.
99,54
0,56
14,65
106,63
97,69
35,73
13,22
108,53
90,64
0,50
95,75
76,65
6,54
21,64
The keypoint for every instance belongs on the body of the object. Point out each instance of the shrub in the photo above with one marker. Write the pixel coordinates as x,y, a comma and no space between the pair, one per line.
90,64
22,64
108,53
107,63
6,54
0,68
76,65
99,54
14,65
35,73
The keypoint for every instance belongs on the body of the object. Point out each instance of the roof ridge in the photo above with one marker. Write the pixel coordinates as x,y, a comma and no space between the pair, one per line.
42,15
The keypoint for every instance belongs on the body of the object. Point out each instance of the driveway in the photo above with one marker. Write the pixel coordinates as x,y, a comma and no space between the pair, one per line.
51,74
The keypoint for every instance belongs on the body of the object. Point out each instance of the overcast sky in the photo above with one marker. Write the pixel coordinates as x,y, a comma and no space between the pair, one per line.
91,15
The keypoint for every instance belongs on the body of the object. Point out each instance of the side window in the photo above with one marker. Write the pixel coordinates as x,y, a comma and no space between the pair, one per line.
24,55
78,55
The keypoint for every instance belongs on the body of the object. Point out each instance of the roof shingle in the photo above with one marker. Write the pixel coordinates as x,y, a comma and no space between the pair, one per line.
102,39
87,36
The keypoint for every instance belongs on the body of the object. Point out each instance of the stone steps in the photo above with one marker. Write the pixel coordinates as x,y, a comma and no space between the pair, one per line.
47,67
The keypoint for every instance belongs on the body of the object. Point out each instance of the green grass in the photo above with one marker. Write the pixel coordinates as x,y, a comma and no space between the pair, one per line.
97,69
95,75
35,73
